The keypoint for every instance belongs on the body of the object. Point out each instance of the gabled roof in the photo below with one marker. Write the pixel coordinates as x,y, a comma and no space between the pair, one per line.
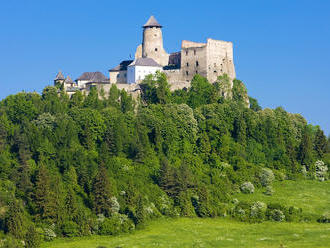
93,77
145,62
152,22
122,66
59,76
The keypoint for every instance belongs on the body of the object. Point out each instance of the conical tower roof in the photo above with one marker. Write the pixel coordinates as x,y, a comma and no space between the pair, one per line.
59,76
152,22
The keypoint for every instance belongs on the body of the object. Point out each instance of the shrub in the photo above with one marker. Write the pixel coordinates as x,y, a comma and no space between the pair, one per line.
115,207
277,215
321,170
116,224
258,210
266,177
247,188
70,229
325,218
269,190
49,233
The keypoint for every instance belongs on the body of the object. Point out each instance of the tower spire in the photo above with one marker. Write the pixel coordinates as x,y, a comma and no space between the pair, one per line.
152,22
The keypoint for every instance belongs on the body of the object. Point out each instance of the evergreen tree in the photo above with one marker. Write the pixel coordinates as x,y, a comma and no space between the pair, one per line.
43,194
16,222
305,148
320,143
102,192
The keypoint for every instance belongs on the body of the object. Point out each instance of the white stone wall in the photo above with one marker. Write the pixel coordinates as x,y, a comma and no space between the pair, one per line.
138,73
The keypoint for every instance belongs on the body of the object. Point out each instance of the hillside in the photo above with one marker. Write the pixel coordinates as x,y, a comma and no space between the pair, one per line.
106,165
220,232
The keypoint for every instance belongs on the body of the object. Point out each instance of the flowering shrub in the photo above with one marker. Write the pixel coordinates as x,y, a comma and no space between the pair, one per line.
277,215
266,177
321,170
247,188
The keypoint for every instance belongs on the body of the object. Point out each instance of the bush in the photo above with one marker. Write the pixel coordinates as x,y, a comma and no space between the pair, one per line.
266,177
48,233
116,224
70,229
325,218
321,170
247,188
258,210
269,190
277,215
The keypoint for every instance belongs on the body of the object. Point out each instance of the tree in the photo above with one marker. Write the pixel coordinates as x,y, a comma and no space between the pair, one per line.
102,192
305,148
254,105
43,195
114,95
200,91
320,143
16,221
166,179
126,102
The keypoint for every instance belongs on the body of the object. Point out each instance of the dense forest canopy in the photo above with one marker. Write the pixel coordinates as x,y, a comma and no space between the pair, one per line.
101,164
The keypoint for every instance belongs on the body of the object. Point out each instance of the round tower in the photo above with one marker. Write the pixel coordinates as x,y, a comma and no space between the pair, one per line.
152,44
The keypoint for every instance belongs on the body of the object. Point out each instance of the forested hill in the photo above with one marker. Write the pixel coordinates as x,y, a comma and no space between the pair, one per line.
101,164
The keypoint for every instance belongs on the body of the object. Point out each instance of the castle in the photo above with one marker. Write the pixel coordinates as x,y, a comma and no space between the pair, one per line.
211,59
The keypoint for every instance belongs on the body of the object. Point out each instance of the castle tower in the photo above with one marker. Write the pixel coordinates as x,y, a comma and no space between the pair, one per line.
152,44
59,79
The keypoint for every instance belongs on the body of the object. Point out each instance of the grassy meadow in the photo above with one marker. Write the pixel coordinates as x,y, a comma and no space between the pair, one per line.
312,196
195,232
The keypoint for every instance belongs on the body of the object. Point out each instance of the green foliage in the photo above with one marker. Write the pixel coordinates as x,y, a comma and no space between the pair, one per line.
65,161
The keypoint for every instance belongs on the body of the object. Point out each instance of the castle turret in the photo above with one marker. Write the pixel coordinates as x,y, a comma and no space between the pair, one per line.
59,79
152,45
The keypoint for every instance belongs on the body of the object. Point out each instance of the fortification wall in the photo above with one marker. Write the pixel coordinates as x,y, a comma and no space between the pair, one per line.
193,60
220,59
118,77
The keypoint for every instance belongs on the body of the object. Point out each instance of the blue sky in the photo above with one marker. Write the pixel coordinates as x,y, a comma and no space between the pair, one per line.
281,48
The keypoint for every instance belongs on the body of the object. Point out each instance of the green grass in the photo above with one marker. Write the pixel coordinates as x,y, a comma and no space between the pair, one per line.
185,232
312,196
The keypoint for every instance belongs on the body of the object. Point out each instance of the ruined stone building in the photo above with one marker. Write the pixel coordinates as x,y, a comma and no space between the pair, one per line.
210,59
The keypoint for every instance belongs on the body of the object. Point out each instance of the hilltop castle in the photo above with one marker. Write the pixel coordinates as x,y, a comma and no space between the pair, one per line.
211,59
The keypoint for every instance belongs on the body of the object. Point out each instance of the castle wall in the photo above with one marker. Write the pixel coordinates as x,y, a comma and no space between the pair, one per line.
193,60
219,59
118,77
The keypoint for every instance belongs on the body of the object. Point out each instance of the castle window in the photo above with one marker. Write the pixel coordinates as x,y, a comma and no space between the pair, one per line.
215,71
197,64
187,73
196,72
118,75
194,52
187,64
156,49
186,52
